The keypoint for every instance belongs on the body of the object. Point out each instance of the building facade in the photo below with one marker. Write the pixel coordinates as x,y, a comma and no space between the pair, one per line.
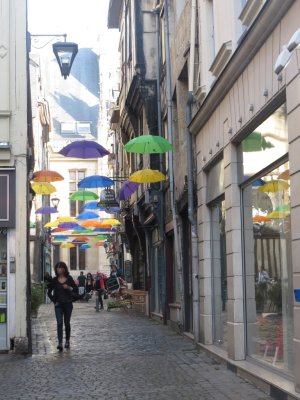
16,147
230,236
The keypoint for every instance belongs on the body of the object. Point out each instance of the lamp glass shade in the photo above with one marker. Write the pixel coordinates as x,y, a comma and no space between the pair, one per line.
65,53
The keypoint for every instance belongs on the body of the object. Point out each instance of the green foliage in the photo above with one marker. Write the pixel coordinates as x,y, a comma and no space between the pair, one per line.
37,296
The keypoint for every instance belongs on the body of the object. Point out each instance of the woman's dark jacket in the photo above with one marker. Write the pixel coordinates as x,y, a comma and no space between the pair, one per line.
58,294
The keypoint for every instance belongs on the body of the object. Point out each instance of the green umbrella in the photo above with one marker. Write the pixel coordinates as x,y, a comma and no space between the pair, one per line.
255,142
83,195
148,144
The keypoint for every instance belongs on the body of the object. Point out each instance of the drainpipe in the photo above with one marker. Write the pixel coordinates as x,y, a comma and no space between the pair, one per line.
178,257
191,208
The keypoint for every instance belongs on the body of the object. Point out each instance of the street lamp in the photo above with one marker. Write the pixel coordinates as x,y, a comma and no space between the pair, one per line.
65,53
55,202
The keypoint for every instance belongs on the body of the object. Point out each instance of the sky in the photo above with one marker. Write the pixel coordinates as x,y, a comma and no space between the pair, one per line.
80,20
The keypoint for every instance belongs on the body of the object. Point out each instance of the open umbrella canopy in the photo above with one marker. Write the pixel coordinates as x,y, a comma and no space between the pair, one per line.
99,244
256,142
82,231
260,218
274,186
95,181
87,215
83,195
46,210
285,175
51,224
91,224
47,176
127,189
68,225
84,149
57,230
66,219
68,245
60,237
43,187
111,221
104,230
148,144
91,205
278,214
147,176
84,246
80,239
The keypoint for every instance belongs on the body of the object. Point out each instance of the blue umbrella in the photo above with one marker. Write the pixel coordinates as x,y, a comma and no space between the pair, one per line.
91,205
95,181
102,230
46,210
87,215
84,246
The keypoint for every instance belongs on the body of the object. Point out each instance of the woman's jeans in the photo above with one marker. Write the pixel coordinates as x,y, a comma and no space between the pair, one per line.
99,299
63,313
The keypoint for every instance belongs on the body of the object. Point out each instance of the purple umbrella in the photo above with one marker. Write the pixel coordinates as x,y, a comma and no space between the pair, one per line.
84,149
69,225
127,189
46,210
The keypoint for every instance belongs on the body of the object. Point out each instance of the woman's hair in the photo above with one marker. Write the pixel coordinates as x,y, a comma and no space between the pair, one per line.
63,265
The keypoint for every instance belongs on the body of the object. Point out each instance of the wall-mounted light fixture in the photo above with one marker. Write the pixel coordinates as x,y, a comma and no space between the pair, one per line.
55,202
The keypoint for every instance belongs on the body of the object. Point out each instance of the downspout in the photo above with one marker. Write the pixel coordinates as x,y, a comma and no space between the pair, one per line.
178,257
191,208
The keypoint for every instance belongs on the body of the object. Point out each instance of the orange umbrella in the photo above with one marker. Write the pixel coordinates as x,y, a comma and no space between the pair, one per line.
99,244
80,239
47,176
56,230
91,224
260,218
285,175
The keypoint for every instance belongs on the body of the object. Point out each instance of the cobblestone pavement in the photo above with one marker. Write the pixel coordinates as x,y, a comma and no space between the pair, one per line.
116,355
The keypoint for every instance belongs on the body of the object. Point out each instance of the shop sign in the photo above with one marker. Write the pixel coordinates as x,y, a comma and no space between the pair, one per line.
7,198
108,198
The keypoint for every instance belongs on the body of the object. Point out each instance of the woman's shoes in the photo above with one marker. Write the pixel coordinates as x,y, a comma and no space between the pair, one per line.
60,347
67,344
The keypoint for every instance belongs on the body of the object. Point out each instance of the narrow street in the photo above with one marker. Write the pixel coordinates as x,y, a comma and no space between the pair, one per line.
116,355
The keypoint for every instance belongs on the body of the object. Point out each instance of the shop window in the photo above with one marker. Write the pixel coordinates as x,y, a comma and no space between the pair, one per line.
268,269
219,274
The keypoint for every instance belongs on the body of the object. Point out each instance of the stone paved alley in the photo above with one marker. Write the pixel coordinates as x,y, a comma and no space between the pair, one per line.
116,355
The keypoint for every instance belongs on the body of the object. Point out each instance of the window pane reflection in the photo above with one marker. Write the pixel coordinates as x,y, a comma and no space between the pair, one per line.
269,287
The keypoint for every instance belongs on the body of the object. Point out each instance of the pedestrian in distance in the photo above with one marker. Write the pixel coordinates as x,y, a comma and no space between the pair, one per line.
81,284
99,287
89,282
61,292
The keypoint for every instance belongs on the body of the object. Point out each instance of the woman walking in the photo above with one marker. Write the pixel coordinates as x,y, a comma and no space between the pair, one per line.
60,292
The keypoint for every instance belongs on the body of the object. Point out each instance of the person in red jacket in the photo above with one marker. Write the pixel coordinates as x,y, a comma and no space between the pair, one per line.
99,287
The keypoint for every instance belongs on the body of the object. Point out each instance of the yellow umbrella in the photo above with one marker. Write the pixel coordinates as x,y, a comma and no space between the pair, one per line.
111,221
52,224
68,245
66,219
147,176
43,188
274,186
278,214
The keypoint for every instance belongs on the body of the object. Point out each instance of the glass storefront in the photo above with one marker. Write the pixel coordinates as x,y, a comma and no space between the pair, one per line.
219,274
267,248
3,289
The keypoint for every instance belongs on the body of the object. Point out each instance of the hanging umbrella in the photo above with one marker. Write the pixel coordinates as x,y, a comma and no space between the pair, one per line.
127,189
83,195
66,219
57,230
147,176
97,238
47,176
285,175
84,246
260,218
283,208
43,187
110,210
95,181
82,231
278,214
87,215
91,205
68,225
274,186
148,144
111,221
104,230
99,244
255,142
258,182
80,239
60,237
84,149
91,224
46,210
104,225
51,224
68,245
